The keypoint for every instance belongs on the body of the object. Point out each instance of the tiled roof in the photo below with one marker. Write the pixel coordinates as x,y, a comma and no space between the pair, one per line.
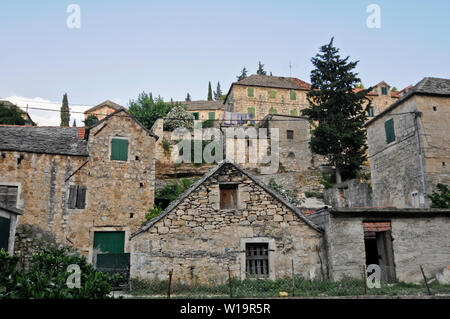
107,103
203,105
274,82
46,140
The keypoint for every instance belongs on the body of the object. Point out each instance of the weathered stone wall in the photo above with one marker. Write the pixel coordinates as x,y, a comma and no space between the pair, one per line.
417,241
199,241
118,193
239,102
351,193
395,168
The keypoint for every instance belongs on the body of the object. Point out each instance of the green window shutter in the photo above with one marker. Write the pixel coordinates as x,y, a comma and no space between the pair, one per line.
272,94
294,112
384,90
110,242
195,115
212,115
250,92
389,129
251,112
293,95
119,149
370,112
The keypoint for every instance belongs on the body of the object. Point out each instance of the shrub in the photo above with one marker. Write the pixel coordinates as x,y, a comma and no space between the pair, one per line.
47,277
440,197
152,213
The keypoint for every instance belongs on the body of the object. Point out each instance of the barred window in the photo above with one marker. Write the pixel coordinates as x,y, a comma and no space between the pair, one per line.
257,259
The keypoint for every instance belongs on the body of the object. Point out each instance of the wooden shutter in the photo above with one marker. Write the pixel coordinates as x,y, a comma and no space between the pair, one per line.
81,197
228,196
212,115
72,196
293,95
389,129
8,195
119,149
272,94
110,242
250,92
257,259
384,90
294,112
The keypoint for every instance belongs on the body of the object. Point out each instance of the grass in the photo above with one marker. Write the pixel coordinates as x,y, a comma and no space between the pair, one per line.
264,288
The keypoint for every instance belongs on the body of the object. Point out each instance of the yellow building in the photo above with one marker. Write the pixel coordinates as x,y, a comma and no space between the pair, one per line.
205,110
103,109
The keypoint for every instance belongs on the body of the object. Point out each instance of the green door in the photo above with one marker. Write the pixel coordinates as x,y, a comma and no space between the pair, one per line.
109,242
4,233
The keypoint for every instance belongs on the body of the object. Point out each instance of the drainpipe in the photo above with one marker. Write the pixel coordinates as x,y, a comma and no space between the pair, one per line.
422,172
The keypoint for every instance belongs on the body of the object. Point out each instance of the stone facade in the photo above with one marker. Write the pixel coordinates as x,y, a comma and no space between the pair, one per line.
407,169
118,193
199,241
419,237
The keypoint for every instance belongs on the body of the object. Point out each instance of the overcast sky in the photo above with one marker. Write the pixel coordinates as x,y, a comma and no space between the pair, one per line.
173,47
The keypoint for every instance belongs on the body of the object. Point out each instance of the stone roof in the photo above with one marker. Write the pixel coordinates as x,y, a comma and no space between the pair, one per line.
427,86
203,105
106,103
46,140
274,82
199,182
11,210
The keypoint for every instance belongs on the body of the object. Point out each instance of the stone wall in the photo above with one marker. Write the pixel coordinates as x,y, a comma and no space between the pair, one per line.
118,193
199,241
351,193
420,237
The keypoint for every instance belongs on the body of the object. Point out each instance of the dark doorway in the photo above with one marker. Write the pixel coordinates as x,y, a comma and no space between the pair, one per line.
4,233
379,249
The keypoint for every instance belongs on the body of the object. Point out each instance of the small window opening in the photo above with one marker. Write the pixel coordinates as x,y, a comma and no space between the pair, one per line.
257,259
228,196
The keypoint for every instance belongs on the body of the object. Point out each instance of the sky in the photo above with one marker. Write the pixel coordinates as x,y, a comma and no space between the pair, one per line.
170,48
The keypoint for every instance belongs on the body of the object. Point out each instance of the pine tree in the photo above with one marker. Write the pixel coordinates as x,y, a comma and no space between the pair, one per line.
260,70
337,112
74,124
65,112
218,92
243,74
188,97
210,95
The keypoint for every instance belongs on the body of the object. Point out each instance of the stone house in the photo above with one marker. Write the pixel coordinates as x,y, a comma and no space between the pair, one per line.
228,218
103,109
9,217
88,188
381,97
399,241
25,115
259,95
205,110
409,146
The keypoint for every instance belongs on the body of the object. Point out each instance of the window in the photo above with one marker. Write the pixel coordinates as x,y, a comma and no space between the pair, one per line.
77,197
273,110
228,196
384,90
272,94
290,134
389,129
212,115
8,195
195,115
293,112
257,259
370,111
251,114
119,149
293,96
250,92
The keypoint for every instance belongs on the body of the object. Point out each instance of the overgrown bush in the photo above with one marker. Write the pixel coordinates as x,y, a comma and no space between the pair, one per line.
178,117
47,277
440,197
152,213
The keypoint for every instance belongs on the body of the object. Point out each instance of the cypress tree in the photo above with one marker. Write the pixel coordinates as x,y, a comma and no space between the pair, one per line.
243,74
218,92
337,112
65,112
74,124
188,97
210,96
260,70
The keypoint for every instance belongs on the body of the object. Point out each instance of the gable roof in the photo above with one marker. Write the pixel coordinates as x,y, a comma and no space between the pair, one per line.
44,140
106,103
116,113
215,169
427,86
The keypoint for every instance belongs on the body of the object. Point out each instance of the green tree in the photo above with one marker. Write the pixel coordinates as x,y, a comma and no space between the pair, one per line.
337,112
65,112
188,97
394,89
218,92
11,116
210,95
178,117
147,110
260,70
74,123
243,74
91,120
440,197
359,85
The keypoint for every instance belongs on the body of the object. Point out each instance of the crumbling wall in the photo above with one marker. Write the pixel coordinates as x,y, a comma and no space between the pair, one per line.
351,193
